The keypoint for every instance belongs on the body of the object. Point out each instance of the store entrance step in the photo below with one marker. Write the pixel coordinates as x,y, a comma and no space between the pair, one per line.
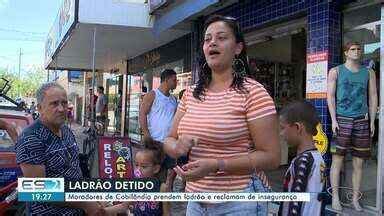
349,211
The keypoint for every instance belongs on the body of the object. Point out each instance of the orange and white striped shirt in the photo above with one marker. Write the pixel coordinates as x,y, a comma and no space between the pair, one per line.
220,124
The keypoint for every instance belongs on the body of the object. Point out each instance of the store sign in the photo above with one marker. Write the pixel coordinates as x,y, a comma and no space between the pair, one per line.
317,70
156,4
321,140
75,76
61,26
152,58
115,158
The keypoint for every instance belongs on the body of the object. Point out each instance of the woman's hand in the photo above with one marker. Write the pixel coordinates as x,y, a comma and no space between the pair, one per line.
197,169
184,144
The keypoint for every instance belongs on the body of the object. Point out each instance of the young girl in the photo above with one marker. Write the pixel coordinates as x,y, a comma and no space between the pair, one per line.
147,165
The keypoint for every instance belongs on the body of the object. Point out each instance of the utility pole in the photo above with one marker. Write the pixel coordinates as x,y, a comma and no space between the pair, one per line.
19,89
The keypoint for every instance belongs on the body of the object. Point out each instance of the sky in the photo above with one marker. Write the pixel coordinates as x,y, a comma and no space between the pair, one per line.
24,24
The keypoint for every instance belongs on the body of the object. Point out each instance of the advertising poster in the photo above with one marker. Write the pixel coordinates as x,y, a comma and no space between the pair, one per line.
64,20
115,158
317,70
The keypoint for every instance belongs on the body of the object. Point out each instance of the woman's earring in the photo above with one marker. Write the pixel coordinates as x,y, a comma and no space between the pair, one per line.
204,65
238,66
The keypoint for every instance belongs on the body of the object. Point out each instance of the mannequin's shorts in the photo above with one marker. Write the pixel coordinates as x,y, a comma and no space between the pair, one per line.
353,136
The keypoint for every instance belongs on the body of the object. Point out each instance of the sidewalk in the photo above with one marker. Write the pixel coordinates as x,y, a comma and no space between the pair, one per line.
77,130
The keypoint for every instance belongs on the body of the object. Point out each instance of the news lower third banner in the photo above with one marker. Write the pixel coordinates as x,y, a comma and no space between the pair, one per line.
92,190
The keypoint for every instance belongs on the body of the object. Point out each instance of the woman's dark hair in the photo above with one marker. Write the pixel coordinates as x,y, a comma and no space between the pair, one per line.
205,73
302,112
156,148
181,93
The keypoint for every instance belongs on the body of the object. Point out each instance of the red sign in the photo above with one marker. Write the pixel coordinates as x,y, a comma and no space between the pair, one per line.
317,57
317,70
115,158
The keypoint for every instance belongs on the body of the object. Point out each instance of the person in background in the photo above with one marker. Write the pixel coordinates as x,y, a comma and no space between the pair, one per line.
70,114
156,115
23,105
227,123
147,165
32,108
298,123
89,102
118,110
33,111
48,148
101,107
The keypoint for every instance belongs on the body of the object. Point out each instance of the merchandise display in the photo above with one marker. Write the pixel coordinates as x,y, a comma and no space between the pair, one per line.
278,79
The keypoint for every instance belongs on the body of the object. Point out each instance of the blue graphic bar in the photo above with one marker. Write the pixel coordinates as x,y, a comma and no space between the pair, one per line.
40,196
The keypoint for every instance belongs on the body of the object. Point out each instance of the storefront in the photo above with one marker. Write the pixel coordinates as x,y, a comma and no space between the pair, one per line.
292,46
87,99
277,57
101,41
144,76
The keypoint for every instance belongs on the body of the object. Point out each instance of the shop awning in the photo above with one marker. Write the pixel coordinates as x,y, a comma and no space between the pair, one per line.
185,10
123,31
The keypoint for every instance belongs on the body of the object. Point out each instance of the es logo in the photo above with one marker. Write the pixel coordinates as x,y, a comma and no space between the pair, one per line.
42,184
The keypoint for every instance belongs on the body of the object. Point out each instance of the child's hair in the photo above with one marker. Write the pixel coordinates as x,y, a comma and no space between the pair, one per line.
155,147
303,112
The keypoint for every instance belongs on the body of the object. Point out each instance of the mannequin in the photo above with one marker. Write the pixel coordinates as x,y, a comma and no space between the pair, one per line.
347,90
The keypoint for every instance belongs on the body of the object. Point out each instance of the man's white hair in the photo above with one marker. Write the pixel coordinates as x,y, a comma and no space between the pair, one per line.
40,93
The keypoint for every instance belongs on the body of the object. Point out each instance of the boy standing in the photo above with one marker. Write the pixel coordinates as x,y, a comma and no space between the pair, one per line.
298,123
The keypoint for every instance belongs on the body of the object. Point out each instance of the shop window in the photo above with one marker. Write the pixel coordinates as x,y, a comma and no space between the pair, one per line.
362,24
114,86
144,82
135,97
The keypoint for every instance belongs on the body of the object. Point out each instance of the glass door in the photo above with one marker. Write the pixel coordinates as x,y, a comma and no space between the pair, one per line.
134,100
380,177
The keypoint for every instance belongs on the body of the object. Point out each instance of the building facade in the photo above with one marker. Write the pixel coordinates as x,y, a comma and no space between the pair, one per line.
291,44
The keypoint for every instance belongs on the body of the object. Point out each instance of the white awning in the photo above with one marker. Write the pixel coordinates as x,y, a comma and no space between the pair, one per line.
123,31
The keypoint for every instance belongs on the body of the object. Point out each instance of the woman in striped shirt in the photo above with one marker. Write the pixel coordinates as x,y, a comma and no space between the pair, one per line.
227,123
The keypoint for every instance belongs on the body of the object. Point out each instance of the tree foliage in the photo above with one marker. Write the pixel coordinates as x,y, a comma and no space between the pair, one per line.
27,84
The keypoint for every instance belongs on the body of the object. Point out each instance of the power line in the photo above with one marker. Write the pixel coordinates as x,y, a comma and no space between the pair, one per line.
7,57
16,54
23,32
25,39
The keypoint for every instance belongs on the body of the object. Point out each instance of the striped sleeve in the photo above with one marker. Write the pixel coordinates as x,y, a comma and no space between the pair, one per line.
258,103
